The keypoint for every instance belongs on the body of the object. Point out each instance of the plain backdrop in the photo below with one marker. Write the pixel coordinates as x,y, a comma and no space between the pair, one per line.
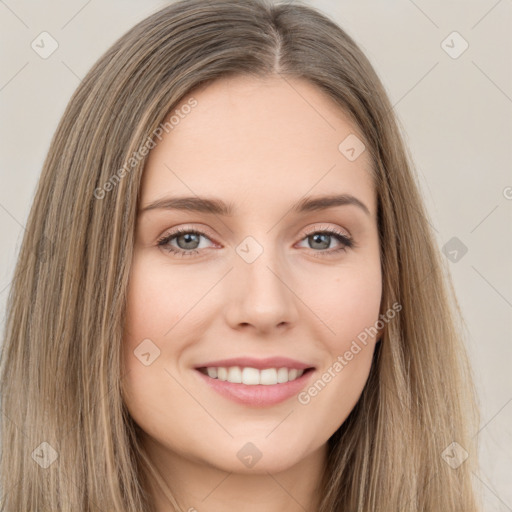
455,108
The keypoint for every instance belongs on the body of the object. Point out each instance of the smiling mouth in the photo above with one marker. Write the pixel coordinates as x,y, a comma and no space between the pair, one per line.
253,376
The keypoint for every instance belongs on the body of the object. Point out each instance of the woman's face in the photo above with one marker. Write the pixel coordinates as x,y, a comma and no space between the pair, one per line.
267,292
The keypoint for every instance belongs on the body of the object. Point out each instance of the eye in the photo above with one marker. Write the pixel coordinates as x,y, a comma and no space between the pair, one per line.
322,240
188,241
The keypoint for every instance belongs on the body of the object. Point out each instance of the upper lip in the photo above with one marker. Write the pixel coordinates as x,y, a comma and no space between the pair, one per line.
260,364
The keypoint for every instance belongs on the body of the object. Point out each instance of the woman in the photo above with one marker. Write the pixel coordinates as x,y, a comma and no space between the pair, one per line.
176,337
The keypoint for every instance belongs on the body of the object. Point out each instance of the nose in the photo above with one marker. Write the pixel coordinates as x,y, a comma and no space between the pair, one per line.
260,294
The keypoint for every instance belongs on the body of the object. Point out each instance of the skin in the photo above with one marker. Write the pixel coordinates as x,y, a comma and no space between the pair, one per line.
261,145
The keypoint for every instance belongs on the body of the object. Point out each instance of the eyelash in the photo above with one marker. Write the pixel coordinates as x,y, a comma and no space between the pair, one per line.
347,243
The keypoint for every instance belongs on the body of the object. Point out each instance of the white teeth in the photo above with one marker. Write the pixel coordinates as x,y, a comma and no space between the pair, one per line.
282,375
252,376
268,376
235,374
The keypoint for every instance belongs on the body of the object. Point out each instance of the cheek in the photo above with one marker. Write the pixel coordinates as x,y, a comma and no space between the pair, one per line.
150,313
155,303
349,306
347,303
147,388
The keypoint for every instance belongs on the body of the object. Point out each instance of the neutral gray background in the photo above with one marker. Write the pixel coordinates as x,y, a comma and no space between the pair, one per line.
456,116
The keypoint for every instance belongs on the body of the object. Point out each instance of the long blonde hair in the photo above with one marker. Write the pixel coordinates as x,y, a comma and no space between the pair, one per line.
68,442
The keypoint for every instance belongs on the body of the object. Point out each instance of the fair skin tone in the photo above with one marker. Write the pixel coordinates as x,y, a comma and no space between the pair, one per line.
260,146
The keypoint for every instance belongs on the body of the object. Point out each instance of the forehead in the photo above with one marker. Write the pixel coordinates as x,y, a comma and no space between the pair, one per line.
247,139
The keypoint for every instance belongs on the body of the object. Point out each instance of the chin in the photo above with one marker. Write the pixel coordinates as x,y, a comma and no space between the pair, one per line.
258,456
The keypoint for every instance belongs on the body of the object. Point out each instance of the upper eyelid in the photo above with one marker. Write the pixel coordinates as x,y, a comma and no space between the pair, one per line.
172,233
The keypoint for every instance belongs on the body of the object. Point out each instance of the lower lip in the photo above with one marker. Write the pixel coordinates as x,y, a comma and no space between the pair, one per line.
258,395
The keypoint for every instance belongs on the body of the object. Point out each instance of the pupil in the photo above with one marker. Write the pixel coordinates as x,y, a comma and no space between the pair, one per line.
189,239
317,238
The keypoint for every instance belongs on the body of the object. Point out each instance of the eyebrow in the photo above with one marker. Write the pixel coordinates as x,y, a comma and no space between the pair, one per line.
219,207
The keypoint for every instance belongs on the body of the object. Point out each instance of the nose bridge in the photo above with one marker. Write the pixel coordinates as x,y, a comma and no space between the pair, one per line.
260,288
257,263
